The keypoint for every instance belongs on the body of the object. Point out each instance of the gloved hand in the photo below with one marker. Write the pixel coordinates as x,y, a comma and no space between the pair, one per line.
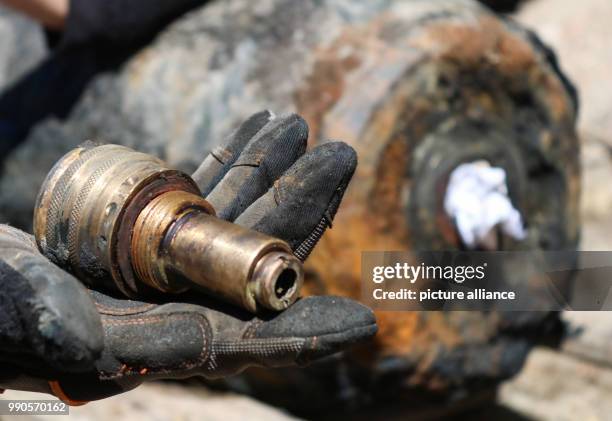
58,337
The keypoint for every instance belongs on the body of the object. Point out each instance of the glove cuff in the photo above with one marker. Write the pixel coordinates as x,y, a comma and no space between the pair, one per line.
58,392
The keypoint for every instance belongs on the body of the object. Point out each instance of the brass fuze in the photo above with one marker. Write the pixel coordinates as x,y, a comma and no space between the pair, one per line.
121,219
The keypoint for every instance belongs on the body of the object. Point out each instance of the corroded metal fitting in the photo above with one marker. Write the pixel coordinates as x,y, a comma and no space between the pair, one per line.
121,219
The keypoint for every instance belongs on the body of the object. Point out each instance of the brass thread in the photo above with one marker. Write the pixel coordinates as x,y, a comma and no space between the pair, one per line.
150,230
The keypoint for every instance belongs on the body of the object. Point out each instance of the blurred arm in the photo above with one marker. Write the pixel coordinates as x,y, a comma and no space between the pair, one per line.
50,13
109,23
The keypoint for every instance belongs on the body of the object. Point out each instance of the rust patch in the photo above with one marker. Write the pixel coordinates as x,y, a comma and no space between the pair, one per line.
325,85
388,193
489,43
396,332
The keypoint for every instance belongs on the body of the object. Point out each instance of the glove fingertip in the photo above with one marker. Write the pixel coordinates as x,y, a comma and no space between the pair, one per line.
249,128
296,132
344,155
328,323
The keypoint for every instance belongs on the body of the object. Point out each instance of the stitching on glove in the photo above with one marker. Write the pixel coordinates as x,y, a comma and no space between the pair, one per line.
249,160
249,333
221,154
257,348
114,311
304,359
303,250
187,365
276,193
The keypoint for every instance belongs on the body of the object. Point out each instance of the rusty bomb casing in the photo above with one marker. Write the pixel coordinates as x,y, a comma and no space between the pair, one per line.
417,88
122,220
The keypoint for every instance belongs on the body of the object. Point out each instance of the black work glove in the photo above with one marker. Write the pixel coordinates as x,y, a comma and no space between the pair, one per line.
57,337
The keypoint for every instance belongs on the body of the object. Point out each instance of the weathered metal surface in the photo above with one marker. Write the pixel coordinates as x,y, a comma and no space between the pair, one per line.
449,86
122,220
417,87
